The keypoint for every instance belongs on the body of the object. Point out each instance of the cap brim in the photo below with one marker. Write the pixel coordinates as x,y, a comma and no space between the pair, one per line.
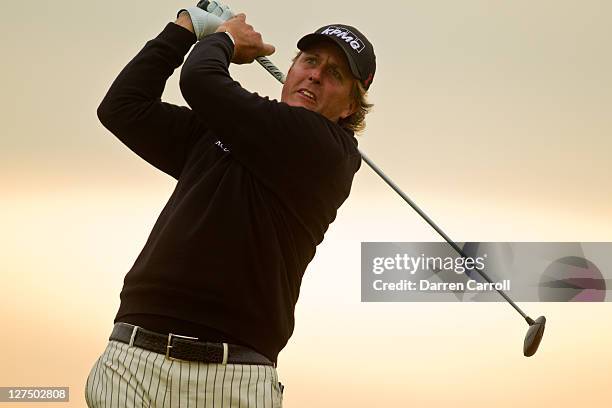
311,39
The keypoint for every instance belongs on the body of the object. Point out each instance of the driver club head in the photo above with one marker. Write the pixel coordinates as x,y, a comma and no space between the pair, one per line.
534,336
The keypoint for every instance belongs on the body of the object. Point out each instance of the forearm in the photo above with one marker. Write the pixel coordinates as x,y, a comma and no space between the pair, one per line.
143,79
205,79
132,108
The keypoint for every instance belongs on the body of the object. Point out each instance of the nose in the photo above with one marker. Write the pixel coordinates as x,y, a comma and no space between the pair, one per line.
315,75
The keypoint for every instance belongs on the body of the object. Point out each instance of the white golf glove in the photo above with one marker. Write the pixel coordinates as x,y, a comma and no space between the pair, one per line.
204,23
217,8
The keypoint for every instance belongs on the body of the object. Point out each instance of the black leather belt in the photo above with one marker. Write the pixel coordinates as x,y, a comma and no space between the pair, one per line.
177,347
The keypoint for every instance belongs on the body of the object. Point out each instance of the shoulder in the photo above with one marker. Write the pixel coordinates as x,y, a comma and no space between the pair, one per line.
318,130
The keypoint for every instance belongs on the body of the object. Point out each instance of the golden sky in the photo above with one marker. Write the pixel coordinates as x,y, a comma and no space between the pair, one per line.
493,116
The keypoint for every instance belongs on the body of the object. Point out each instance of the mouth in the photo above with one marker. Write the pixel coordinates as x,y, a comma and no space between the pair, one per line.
307,94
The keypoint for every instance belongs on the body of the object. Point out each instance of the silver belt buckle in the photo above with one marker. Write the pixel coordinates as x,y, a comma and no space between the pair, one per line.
169,346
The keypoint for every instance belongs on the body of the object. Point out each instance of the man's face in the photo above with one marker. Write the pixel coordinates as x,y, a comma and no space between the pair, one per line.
320,80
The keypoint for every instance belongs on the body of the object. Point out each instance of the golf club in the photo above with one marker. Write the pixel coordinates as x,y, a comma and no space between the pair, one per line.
536,327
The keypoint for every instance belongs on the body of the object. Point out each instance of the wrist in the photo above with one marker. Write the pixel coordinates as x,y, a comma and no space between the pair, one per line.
231,37
184,20
223,29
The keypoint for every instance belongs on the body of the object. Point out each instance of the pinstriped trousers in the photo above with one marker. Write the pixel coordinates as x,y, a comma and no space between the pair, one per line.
127,376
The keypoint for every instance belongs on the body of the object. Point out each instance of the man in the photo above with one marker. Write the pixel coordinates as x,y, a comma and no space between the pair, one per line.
209,302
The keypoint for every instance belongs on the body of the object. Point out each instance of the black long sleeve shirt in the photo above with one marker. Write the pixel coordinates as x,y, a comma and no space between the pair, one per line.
259,182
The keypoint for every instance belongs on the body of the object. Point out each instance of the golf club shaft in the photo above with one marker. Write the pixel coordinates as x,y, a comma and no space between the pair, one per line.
456,247
271,68
278,74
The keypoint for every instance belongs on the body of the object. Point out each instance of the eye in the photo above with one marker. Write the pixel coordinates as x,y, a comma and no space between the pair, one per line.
336,74
310,60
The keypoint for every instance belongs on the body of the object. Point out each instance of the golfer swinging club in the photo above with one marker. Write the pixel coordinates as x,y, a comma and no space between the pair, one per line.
209,302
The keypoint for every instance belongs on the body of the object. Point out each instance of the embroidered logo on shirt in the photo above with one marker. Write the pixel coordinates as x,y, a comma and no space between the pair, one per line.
218,143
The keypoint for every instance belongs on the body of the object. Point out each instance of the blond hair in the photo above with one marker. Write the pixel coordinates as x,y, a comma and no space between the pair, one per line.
356,121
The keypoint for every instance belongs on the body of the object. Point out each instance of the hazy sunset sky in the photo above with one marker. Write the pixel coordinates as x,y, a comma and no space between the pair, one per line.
495,117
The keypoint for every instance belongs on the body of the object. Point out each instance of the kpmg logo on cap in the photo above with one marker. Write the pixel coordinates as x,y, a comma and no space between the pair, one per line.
345,35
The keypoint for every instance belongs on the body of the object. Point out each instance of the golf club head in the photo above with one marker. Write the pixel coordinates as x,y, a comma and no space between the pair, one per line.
534,336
